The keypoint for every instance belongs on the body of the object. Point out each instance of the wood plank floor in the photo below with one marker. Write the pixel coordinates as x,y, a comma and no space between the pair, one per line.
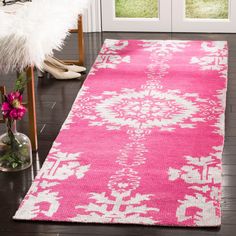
54,100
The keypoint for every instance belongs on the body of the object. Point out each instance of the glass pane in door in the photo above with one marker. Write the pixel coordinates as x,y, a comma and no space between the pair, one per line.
136,8
207,9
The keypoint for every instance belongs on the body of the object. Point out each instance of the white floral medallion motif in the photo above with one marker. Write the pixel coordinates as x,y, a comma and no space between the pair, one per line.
108,151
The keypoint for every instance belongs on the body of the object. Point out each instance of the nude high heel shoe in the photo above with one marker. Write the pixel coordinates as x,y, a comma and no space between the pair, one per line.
58,72
63,65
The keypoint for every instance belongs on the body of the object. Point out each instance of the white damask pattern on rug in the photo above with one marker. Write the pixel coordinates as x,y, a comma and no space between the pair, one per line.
143,141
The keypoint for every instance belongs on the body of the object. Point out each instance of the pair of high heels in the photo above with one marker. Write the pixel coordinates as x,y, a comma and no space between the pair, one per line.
60,70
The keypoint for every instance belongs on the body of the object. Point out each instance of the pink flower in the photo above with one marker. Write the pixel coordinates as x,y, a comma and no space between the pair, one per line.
12,108
6,108
14,96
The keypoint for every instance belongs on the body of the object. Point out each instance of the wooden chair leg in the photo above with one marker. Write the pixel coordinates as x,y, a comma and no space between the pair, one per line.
80,35
80,40
32,108
2,93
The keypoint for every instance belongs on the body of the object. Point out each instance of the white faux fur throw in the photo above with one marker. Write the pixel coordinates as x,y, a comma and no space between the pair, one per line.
34,31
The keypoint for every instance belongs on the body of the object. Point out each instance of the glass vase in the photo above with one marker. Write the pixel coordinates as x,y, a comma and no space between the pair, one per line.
15,150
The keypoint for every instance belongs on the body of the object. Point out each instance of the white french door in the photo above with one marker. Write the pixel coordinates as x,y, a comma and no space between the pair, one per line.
136,15
217,16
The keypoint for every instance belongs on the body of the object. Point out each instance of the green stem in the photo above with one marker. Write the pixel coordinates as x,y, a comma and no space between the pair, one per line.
13,141
21,82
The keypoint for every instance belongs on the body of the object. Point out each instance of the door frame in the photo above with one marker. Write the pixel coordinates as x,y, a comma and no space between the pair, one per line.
112,23
181,24
173,21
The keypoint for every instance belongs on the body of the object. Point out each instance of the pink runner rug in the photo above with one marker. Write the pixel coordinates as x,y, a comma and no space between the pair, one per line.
143,141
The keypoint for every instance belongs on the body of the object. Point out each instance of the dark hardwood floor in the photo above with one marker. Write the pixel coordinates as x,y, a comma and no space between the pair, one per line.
54,100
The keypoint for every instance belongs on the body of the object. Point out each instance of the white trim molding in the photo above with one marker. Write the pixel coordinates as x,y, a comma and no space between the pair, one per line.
92,17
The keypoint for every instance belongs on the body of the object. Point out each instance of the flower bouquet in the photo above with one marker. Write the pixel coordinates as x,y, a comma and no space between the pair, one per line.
15,147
